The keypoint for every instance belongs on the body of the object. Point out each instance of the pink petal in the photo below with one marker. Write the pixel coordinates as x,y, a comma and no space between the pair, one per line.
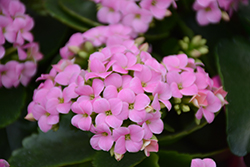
135,85
156,126
51,106
52,119
187,78
85,123
120,131
197,163
101,105
94,142
42,123
115,105
114,79
120,145
84,90
209,162
189,91
133,146
127,95
76,119
63,108
106,142
113,121
175,90
141,101
97,86
136,132
110,92
209,116
137,116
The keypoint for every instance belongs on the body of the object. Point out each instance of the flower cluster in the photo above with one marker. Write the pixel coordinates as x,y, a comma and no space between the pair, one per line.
119,97
18,53
212,11
137,15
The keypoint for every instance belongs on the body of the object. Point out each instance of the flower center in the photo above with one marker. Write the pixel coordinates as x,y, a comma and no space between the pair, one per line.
104,133
61,100
137,16
108,113
131,106
153,3
127,137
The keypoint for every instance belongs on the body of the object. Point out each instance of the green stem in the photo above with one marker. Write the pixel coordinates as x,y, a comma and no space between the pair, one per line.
10,51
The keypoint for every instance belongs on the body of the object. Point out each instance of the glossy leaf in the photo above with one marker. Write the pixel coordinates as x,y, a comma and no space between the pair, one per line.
151,161
130,159
171,138
84,10
12,102
57,12
233,61
55,148
175,159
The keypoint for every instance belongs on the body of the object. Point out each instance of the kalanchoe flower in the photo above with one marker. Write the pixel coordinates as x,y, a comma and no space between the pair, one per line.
207,11
206,162
4,163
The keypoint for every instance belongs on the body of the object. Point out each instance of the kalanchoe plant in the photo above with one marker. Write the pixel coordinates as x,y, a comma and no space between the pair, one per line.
18,51
136,91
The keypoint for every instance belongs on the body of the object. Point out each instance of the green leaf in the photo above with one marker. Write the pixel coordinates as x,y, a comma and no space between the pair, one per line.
55,148
244,14
233,61
104,159
175,159
11,101
151,161
169,139
57,12
84,10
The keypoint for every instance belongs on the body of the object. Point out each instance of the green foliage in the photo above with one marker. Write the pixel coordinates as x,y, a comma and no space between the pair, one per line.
12,102
233,60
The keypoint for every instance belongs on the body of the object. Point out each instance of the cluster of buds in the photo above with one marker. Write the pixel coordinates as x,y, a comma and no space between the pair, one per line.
195,47
18,53
212,11
120,95
137,15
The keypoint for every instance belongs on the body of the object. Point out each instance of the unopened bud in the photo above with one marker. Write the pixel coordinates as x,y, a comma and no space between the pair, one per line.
29,117
144,47
177,107
225,16
203,41
74,49
195,53
168,13
83,54
177,100
185,108
118,157
186,39
88,46
183,45
139,40
196,40
203,50
149,109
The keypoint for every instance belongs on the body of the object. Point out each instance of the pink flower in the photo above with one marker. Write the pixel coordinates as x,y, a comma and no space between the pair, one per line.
162,93
128,139
103,139
150,145
4,163
109,12
108,112
207,103
83,109
137,18
22,26
207,11
28,70
68,75
144,80
57,101
182,84
152,124
207,162
176,63
97,35
157,7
